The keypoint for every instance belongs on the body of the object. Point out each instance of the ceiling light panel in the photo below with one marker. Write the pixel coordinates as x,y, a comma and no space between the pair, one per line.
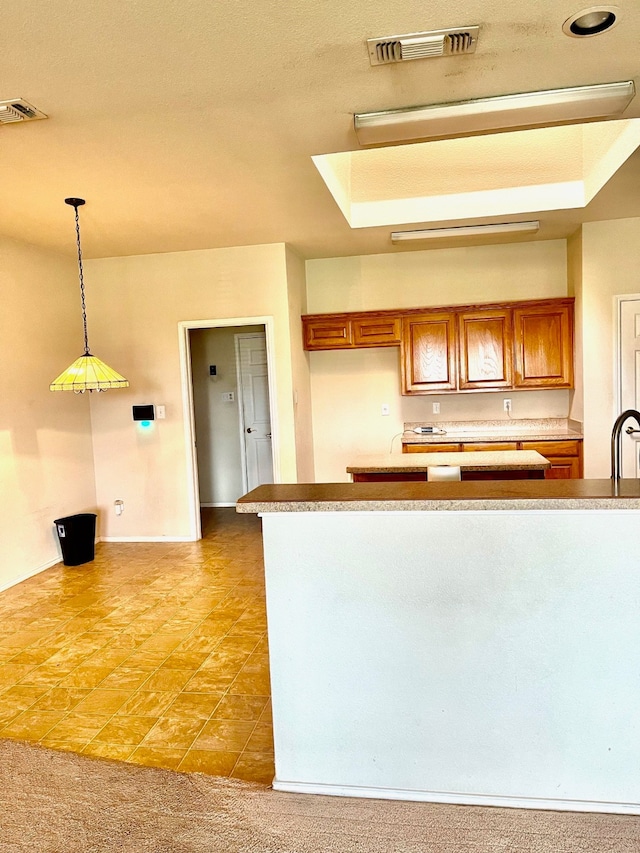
464,231
553,106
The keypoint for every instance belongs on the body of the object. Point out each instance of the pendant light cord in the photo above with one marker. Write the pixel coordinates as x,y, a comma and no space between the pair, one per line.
84,308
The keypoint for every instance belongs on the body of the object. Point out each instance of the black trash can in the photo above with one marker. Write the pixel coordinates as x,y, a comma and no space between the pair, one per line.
77,535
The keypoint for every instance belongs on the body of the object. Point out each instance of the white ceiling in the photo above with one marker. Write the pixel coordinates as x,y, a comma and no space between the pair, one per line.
192,124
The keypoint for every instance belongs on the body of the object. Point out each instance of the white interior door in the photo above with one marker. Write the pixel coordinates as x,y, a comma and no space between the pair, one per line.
255,420
630,381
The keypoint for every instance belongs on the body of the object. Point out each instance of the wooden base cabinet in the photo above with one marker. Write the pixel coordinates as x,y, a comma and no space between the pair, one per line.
565,456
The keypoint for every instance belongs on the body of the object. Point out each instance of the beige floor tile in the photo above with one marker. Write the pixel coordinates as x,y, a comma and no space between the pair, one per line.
97,658
117,752
153,756
168,679
126,679
126,730
77,727
61,699
212,762
261,739
194,705
32,725
86,676
240,708
100,701
255,767
174,732
147,703
225,734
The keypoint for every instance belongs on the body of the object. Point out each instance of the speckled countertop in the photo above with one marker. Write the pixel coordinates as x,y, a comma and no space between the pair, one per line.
516,429
423,496
495,460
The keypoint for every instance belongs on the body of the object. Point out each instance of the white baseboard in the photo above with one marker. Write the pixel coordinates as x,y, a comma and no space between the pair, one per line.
30,574
456,799
224,503
147,539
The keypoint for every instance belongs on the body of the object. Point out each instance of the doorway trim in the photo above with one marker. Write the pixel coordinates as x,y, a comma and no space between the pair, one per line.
619,300
188,411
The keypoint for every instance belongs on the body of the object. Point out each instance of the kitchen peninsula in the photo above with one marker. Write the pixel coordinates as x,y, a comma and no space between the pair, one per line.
487,465
466,642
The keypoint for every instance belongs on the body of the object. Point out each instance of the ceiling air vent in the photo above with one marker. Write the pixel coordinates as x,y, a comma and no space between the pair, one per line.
16,110
453,42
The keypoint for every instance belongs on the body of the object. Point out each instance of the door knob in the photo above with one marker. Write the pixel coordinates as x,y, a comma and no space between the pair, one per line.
249,429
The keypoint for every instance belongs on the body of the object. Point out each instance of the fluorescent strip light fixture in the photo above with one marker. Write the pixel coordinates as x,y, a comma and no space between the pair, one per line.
554,106
466,231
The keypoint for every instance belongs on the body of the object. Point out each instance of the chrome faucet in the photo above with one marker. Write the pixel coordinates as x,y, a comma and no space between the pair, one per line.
616,440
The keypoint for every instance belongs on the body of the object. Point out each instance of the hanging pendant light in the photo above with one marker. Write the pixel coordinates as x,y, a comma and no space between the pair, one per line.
87,373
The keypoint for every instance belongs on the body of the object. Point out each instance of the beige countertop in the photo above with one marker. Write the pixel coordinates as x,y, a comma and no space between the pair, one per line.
424,496
516,429
495,460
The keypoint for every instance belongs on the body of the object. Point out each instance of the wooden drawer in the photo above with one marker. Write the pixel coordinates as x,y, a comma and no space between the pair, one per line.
553,448
430,448
490,445
377,332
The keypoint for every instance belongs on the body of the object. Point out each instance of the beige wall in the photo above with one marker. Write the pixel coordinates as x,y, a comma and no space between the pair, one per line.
349,387
610,263
137,303
296,285
46,461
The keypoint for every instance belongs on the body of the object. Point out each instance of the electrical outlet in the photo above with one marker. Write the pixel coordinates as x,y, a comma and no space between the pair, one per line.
384,409
507,404
436,408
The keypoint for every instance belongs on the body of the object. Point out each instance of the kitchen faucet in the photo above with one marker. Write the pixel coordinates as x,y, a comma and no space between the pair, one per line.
616,440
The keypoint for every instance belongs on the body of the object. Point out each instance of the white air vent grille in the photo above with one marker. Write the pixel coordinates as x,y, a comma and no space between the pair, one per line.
454,42
17,109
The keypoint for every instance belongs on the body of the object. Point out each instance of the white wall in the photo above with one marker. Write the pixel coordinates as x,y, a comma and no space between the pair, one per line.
610,263
217,421
137,303
46,461
469,656
349,387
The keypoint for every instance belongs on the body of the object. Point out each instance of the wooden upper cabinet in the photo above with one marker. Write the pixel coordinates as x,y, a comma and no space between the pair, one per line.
377,331
331,332
429,353
543,345
485,349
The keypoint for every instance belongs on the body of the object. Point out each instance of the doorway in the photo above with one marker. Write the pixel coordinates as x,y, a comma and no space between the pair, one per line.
229,411
628,369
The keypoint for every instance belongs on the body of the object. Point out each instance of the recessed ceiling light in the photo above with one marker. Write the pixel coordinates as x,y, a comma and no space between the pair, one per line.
591,21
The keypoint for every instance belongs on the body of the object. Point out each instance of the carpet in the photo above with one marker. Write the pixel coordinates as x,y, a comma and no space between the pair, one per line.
59,802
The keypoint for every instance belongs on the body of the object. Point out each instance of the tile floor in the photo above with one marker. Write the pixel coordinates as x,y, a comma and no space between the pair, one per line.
153,653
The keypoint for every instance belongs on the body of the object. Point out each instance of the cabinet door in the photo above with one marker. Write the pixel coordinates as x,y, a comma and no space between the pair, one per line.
565,457
332,332
377,331
563,468
486,344
543,337
429,353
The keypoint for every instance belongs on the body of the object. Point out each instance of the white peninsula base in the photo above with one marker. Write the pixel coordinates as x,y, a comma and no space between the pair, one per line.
482,657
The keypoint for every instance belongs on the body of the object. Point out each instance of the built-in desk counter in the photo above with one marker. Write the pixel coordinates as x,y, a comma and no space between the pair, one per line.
467,642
